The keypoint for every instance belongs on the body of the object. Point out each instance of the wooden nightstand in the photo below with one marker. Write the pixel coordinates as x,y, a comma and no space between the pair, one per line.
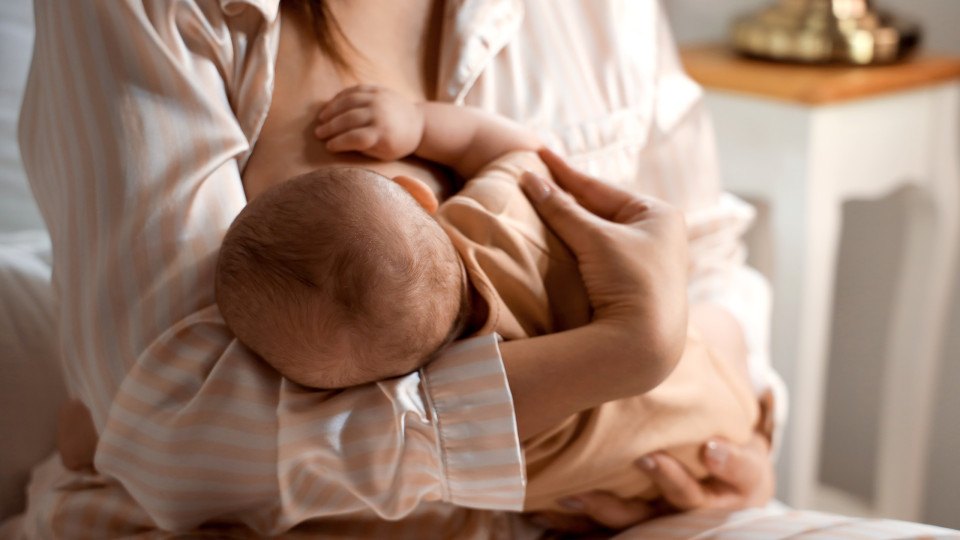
805,139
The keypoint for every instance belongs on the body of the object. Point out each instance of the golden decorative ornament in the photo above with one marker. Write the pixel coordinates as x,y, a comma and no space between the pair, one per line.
823,31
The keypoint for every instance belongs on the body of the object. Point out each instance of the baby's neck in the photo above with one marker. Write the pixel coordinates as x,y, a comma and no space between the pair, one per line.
479,311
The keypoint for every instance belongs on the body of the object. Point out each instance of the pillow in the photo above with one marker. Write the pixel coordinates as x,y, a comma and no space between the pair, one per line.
17,209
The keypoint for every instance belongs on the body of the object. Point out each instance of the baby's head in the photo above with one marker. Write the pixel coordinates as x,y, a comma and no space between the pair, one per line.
339,277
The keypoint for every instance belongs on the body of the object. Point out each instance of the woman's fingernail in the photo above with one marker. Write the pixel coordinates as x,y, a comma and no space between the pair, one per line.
647,463
535,187
572,503
717,452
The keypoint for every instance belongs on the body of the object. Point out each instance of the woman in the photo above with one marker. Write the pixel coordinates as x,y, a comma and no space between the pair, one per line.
140,117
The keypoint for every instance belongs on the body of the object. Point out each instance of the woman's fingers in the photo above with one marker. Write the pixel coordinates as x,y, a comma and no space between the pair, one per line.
351,119
609,510
744,471
741,476
736,465
355,140
602,199
678,486
735,469
574,224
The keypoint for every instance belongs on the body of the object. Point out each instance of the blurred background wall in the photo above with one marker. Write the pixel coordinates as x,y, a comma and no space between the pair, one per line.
870,245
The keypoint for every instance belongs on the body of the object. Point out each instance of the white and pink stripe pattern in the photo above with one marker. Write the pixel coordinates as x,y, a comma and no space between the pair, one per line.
137,120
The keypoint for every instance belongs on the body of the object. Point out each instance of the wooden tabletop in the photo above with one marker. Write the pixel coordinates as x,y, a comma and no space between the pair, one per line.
717,67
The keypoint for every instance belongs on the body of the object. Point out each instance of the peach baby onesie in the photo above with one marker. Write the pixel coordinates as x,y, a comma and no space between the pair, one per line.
532,286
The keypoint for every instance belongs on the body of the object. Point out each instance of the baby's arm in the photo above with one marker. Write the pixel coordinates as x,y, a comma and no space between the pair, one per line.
466,138
385,125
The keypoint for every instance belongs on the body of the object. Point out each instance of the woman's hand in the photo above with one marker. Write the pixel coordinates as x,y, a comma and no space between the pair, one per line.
740,477
632,255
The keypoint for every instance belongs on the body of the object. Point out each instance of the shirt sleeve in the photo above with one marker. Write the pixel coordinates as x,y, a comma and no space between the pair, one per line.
612,96
136,117
716,222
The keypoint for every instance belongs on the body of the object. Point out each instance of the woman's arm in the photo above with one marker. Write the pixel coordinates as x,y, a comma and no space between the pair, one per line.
135,122
136,119
631,252
741,476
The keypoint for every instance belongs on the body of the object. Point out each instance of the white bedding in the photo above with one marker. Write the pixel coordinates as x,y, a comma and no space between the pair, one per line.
17,209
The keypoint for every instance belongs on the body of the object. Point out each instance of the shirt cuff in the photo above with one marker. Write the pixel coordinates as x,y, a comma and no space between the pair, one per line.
480,454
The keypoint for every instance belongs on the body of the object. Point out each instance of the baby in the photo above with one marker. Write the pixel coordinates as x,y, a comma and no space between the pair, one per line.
338,278
342,277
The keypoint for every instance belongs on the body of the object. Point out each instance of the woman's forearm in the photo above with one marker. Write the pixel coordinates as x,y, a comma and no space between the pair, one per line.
632,255
554,376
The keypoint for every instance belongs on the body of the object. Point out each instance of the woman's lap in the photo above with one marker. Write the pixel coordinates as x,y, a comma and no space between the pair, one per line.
774,523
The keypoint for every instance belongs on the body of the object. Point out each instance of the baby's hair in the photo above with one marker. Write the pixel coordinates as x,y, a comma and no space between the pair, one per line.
336,275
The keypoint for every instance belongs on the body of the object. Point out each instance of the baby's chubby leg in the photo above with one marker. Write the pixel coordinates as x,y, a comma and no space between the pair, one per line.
76,436
723,333
705,397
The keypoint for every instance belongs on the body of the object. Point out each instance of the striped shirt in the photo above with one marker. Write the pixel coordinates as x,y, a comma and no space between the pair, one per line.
136,123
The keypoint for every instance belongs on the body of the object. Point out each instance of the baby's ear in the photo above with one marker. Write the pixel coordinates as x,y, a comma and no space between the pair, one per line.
419,191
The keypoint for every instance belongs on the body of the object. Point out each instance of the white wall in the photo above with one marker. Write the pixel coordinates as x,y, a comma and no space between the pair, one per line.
869,250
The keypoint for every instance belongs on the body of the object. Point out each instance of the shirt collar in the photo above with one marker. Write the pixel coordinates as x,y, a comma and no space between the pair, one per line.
268,8
474,31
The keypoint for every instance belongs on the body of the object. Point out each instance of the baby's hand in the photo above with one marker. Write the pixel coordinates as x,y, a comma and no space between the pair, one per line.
375,121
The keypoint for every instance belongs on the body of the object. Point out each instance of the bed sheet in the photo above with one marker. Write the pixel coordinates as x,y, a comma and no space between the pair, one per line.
777,522
17,209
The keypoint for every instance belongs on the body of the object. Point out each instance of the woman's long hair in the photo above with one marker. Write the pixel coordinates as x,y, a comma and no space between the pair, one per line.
330,36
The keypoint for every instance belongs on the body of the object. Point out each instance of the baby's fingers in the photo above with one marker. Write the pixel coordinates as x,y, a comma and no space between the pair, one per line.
343,102
355,140
349,120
